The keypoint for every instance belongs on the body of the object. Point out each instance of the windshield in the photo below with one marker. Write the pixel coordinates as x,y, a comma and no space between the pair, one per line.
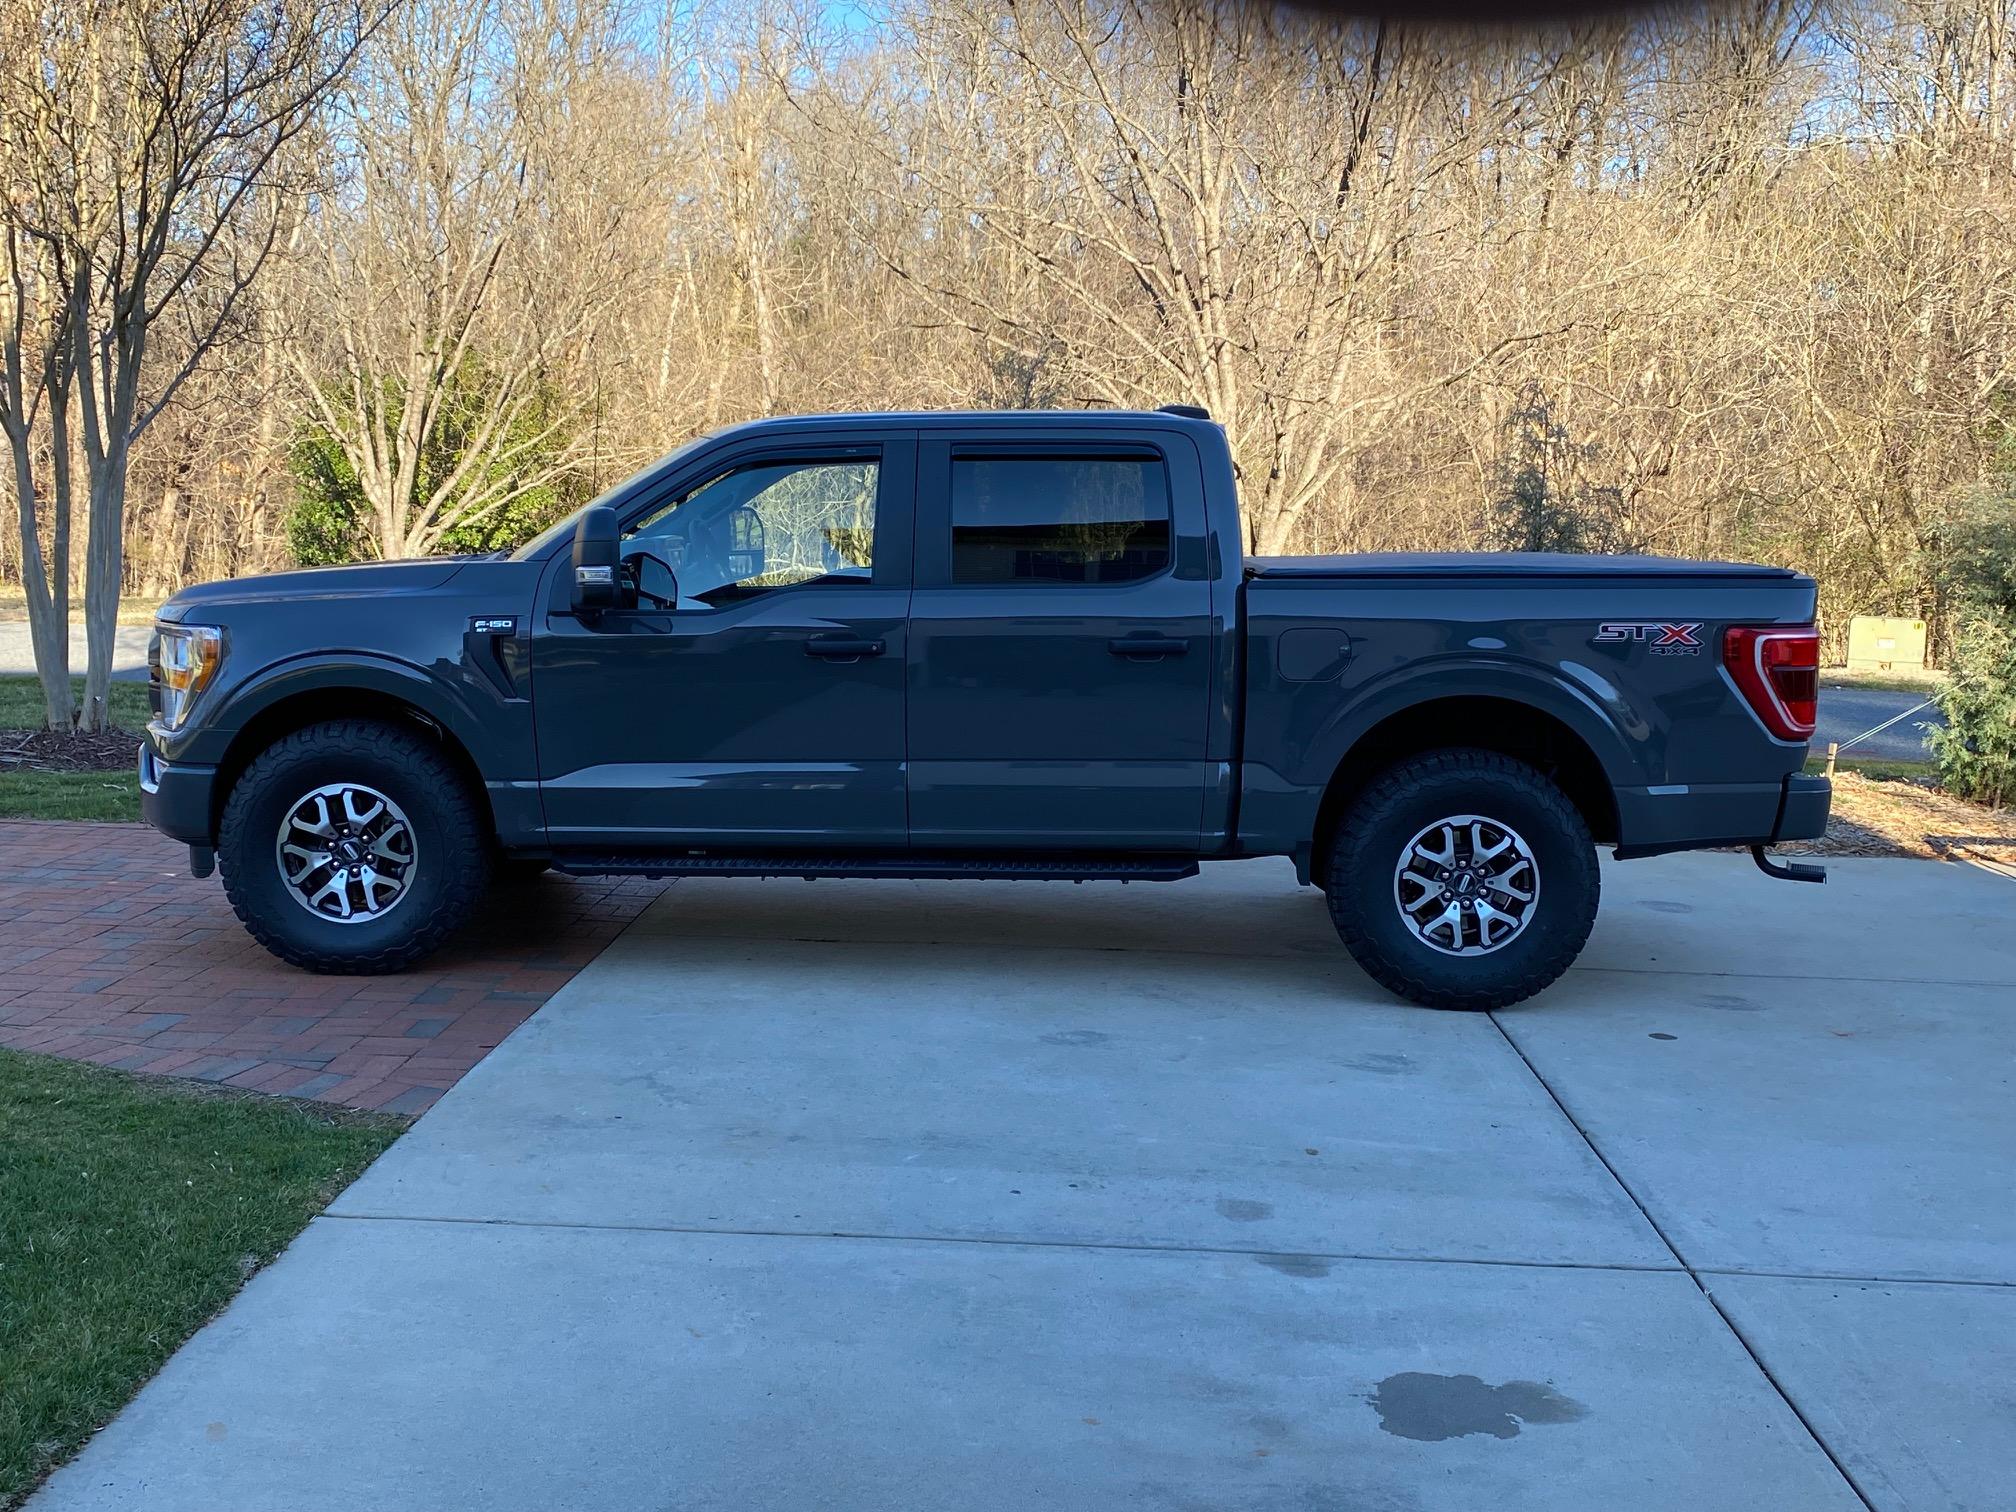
562,528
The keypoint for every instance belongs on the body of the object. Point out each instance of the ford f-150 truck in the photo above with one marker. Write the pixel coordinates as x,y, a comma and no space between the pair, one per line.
978,645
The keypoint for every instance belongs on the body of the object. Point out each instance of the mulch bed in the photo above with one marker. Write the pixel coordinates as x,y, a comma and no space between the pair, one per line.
55,751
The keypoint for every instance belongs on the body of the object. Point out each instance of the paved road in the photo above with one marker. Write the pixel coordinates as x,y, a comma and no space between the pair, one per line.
129,655
1847,712
1013,1195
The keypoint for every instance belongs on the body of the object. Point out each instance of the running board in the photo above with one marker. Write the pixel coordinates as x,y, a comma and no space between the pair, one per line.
906,868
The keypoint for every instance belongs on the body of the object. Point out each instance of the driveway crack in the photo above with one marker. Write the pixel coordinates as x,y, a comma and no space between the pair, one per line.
1680,1262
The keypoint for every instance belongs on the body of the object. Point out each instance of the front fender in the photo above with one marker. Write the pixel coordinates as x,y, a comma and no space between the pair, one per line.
334,673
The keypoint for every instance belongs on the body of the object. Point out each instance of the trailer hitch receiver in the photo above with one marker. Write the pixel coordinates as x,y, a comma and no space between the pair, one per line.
1786,871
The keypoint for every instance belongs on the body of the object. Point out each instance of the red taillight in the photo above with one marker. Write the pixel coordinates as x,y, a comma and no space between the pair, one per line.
1779,673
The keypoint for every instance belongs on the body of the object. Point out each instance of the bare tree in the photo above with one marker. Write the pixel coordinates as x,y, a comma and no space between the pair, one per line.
138,140
490,156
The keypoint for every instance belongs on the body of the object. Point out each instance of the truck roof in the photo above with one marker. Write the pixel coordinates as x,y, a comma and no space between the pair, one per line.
928,419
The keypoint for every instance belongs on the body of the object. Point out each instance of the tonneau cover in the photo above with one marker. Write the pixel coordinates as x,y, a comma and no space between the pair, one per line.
1503,564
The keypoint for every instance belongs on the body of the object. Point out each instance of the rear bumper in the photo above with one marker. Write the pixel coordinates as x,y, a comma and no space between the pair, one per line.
175,797
1803,815
1696,816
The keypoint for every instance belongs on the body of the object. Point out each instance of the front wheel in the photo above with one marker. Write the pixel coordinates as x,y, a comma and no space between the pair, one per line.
1463,879
352,847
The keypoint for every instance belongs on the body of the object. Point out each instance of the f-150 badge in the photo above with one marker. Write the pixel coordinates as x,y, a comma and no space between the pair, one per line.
1659,639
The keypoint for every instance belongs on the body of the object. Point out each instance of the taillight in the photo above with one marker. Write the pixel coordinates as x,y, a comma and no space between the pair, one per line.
1778,671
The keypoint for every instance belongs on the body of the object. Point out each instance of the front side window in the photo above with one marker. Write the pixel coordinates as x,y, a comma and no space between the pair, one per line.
763,526
1059,519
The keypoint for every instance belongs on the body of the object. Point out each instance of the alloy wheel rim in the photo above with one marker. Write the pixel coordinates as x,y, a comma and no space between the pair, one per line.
347,853
1466,885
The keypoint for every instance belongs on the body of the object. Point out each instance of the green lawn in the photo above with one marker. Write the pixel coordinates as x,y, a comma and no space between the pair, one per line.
21,703
70,795
130,1212
67,795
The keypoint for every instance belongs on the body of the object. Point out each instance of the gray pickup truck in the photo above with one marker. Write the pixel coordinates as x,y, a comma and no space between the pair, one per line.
988,646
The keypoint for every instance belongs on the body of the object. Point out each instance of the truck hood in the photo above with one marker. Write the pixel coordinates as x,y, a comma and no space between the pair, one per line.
362,580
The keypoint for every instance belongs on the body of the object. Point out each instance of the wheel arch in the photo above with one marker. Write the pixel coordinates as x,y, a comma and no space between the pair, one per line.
305,696
1507,726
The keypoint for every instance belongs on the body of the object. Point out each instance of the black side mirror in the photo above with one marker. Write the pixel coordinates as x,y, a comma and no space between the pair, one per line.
598,561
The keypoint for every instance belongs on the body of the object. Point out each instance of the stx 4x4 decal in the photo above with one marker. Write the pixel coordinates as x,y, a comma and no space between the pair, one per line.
1660,639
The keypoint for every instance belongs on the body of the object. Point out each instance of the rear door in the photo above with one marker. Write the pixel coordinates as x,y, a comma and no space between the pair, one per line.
1060,641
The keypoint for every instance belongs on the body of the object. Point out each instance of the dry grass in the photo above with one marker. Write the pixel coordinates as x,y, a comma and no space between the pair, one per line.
1908,817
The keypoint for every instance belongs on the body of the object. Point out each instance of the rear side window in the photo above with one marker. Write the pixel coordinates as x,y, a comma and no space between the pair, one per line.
1059,519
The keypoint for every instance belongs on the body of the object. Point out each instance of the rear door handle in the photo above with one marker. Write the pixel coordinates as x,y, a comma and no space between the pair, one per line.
839,647
1143,647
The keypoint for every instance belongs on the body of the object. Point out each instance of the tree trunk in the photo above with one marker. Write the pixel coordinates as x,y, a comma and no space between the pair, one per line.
104,564
48,596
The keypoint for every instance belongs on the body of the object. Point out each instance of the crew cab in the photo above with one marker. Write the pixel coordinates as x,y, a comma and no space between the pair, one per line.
1015,645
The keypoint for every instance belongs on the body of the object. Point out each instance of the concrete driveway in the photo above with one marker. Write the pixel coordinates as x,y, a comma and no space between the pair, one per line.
974,1196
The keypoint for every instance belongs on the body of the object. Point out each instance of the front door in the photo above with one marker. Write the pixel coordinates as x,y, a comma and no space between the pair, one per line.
756,696
1060,653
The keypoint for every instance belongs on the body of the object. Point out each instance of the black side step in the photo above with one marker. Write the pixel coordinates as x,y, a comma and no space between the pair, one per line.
912,867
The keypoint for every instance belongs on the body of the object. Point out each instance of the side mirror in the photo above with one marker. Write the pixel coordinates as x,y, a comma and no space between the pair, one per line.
598,561
745,543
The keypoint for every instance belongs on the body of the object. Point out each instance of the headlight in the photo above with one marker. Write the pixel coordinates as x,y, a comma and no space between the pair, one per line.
185,659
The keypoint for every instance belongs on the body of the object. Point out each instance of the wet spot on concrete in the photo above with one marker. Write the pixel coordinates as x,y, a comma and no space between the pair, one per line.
1076,1037
1730,1002
1657,1035
1431,1408
1296,1265
1382,1065
1239,1209
1665,905
215,1432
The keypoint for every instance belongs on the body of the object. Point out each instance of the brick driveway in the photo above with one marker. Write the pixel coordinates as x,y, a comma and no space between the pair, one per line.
111,952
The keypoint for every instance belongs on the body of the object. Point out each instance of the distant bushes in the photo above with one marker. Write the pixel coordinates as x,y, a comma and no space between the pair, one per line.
1976,552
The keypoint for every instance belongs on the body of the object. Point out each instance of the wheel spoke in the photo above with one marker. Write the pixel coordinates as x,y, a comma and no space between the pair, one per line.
1445,856
351,797
321,826
1480,852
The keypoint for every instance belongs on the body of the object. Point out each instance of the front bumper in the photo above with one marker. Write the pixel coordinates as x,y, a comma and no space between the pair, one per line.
175,797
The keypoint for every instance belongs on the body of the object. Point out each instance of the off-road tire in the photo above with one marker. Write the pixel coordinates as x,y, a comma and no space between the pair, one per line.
453,840
1373,834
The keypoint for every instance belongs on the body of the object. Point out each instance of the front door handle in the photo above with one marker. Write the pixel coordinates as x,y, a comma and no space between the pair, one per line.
1144,647
841,648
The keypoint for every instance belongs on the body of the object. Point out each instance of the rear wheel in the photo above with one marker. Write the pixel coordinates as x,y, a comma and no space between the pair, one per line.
352,847
1463,879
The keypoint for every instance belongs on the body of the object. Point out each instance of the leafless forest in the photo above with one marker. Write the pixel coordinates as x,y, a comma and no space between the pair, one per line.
1735,281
